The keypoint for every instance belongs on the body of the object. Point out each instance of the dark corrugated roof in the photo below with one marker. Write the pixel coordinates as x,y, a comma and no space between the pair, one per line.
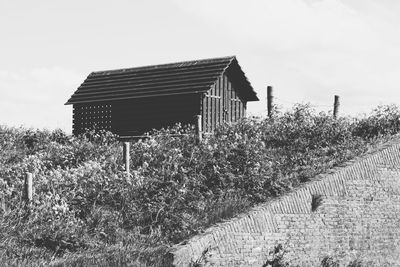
168,79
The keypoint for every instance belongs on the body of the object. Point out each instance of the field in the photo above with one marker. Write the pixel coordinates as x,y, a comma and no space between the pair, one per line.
87,212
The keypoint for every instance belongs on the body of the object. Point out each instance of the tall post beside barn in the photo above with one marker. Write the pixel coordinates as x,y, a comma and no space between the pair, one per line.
199,133
28,187
126,157
336,105
270,98
2,203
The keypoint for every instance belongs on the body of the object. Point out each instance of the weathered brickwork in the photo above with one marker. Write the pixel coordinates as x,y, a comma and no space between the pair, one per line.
358,217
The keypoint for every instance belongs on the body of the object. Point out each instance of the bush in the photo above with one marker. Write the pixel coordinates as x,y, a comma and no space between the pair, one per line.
384,120
85,203
276,258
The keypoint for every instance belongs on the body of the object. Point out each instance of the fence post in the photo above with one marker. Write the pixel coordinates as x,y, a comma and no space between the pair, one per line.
2,203
126,157
199,133
336,105
28,187
270,98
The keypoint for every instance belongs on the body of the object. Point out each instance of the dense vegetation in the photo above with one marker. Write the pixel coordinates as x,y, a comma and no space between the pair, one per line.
86,211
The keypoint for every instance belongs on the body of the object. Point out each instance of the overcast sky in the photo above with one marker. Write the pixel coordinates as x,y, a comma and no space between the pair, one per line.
309,50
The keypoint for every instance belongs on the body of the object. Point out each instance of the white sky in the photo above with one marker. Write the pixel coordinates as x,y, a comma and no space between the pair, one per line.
308,50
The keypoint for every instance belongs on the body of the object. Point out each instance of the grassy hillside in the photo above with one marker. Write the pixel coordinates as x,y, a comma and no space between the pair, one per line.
87,212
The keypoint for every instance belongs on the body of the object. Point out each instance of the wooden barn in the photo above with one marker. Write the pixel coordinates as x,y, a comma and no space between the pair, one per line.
130,102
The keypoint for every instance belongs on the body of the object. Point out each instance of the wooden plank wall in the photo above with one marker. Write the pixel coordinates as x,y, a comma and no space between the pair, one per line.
222,104
137,116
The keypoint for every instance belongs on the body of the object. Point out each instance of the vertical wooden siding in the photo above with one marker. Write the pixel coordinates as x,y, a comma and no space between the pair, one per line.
137,116
222,103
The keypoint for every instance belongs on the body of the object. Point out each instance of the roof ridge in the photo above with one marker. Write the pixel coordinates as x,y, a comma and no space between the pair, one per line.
165,65
224,70
120,84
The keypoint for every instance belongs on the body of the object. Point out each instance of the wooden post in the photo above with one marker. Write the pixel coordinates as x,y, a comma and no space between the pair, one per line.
336,105
28,187
126,157
199,133
2,203
270,98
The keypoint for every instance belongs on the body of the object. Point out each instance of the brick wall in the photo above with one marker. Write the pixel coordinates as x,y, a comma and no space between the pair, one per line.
358,217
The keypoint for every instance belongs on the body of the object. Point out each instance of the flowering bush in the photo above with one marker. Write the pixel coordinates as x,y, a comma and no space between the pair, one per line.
85,203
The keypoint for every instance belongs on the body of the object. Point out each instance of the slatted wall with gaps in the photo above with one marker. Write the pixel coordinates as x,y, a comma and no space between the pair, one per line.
92,116
234,104
213,107
222,104
227,100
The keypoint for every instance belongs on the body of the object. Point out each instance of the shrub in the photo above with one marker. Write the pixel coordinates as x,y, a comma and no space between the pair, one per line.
384,120
85,203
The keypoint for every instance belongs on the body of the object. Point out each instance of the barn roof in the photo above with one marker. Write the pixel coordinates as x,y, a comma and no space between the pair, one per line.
187,77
